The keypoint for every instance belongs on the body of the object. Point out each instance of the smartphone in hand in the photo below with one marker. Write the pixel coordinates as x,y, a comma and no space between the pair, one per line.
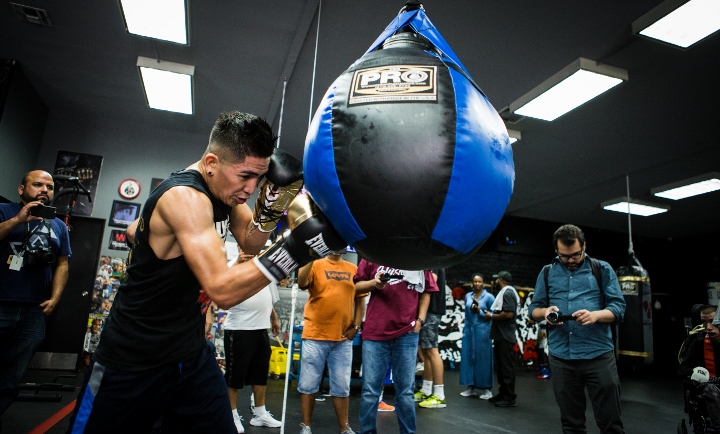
46,212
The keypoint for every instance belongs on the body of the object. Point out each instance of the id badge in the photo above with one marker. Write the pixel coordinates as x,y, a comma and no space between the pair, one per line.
16,262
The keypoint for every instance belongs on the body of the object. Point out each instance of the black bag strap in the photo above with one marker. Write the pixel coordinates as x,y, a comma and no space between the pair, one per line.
594,265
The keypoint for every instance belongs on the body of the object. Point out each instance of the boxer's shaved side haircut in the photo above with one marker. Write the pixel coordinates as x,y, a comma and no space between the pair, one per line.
237,135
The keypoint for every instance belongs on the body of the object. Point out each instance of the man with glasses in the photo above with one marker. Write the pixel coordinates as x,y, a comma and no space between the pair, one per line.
581,350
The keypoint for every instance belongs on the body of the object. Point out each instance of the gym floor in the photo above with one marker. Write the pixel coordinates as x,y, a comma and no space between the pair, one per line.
650,403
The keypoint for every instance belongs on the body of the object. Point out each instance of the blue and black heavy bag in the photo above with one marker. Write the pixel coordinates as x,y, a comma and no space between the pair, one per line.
406,156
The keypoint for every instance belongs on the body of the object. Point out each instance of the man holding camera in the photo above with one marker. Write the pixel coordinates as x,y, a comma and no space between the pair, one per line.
34,255
582,351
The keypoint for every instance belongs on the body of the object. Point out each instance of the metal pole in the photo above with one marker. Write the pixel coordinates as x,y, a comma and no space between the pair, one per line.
627,184
312,87
282,108
288,363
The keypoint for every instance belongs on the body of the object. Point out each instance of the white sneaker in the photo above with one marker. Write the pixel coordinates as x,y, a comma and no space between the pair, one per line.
348,430
265,420
238,423
469,392
487,394
304,429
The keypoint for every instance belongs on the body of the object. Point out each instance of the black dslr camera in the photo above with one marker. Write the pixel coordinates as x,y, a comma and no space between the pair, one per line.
38,256
386,277
557,316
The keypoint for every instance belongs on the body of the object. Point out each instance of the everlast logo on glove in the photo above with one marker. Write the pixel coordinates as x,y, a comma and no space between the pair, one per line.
282,259
317,243
310,238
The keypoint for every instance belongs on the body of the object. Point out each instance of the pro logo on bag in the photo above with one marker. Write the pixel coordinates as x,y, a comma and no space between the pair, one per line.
394,83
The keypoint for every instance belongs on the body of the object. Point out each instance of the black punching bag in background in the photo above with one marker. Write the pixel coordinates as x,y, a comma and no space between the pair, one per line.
635,337
406,156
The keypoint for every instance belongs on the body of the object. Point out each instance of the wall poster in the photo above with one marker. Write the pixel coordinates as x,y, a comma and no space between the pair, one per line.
75,176
107,282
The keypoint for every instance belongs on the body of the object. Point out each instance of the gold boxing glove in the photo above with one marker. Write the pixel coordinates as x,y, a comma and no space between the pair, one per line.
281,184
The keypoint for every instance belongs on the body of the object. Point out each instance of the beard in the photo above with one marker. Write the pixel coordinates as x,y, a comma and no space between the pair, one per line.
42,197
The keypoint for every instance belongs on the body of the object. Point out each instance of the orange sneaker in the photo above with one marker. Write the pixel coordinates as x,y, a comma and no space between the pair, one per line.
384,406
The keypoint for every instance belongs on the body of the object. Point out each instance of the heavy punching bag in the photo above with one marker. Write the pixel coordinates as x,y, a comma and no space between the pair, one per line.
635,337
406,156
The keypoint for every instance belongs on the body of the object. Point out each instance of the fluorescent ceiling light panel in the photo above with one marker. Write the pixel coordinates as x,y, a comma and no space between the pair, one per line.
168,85
514,136
574,85
159,19
680,22
637,207
702,184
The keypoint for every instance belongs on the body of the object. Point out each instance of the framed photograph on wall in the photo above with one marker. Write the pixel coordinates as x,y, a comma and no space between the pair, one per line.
155,182
118,240
123,213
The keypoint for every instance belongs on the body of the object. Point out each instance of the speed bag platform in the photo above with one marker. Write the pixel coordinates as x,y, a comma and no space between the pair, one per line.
405,155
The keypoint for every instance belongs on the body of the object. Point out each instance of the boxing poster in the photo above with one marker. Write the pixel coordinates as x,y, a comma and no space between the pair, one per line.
76,178
107,283
118,240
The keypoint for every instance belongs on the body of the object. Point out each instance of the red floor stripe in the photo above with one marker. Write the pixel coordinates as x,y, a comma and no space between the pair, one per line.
54,419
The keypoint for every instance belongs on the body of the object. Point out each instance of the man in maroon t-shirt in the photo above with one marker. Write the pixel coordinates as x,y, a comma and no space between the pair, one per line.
395,313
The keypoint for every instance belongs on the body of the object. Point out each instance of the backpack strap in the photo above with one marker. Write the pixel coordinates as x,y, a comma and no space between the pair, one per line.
594,264
546,273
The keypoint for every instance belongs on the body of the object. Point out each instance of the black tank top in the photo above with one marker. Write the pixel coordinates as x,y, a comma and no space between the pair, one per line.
156,317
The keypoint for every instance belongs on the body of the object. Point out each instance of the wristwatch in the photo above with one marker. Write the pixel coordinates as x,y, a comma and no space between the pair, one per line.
422,321
356,327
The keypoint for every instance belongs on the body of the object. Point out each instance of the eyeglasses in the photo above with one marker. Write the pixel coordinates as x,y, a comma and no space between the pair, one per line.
575,256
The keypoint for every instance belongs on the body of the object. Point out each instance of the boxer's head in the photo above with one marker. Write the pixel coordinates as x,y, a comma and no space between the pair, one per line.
237,135
238,154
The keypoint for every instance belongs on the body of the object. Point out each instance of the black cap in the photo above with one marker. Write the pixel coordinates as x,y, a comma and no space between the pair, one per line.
504,275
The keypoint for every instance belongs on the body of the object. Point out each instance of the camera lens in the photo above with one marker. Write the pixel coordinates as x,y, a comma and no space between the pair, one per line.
553,316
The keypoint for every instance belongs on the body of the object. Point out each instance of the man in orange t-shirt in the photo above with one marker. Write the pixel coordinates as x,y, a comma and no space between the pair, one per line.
333,314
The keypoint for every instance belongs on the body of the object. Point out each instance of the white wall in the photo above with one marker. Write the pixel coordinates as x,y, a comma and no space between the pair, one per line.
129,149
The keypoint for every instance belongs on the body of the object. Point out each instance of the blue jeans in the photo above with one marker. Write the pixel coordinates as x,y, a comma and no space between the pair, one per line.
22,330
338,355
376,356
